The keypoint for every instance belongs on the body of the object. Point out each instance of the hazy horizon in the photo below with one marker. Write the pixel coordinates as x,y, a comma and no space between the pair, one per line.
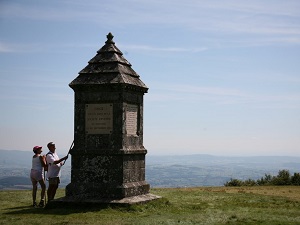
62,152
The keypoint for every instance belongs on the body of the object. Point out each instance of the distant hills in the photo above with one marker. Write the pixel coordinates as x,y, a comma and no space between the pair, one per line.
208,170
15,158
163,171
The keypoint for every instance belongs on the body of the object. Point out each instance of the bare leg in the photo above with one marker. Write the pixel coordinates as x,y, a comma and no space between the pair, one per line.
34,190
43,186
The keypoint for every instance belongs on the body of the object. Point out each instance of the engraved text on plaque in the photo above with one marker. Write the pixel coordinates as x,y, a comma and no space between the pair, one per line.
98,118
131,119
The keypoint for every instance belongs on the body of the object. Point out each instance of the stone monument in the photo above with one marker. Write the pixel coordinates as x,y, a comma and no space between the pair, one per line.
108,157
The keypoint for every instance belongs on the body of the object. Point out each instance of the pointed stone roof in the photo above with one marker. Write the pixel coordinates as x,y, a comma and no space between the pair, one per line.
108,67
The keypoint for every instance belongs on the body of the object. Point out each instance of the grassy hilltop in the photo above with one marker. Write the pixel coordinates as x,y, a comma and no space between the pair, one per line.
201,205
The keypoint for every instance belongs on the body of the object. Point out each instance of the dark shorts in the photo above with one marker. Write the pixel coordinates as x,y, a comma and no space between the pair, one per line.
54,180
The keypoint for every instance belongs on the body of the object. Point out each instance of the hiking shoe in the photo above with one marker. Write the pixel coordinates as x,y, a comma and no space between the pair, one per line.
41,204
34,205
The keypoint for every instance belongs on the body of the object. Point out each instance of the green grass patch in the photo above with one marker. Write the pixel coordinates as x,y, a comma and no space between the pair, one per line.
202,205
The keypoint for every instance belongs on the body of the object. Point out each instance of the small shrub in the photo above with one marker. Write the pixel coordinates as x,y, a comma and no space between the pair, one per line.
283,178
265,180
295,180
250,182
233,183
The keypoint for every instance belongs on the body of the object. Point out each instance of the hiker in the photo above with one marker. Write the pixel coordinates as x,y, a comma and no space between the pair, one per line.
37,175
54,165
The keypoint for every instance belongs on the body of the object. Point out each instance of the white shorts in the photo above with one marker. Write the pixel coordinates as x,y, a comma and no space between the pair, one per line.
36,175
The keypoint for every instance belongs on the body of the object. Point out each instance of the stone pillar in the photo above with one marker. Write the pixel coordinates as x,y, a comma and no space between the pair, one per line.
108,158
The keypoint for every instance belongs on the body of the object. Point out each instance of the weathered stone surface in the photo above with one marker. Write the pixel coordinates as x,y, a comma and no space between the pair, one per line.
140,199
108,157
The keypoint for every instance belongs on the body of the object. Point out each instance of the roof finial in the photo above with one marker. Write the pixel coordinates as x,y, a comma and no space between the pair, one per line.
109,38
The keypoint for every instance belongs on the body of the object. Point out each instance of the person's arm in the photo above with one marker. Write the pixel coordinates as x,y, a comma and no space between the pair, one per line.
60,160
43,160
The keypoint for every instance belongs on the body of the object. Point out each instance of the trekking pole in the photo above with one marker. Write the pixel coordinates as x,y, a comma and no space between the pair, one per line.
69,152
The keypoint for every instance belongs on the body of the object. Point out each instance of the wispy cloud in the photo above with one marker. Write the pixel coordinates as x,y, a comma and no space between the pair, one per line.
224,96
160,49
7,47
279,20
39,47
10,48
204,90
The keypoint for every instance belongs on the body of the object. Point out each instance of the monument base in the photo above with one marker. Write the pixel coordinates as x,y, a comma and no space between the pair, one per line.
139,199
109,191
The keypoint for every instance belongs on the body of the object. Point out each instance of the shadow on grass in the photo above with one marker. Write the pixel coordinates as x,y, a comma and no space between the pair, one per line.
62,209
71,208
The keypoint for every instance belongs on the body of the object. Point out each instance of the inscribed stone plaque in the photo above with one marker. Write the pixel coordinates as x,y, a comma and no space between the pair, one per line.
98,118
131,119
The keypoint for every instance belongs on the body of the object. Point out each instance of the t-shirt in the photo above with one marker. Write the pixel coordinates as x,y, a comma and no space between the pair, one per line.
53,169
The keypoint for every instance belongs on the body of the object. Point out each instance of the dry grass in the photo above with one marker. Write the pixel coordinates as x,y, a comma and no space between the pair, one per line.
199,205
291,192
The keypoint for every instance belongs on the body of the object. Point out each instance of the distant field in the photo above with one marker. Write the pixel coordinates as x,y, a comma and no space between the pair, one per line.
197,205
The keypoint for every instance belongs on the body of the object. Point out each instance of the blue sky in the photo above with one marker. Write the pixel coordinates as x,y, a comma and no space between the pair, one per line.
223,76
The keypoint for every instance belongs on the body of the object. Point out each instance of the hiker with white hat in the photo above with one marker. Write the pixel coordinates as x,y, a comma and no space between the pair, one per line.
54,165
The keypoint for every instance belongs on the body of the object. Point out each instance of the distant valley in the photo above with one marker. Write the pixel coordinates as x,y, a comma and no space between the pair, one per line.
163,171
